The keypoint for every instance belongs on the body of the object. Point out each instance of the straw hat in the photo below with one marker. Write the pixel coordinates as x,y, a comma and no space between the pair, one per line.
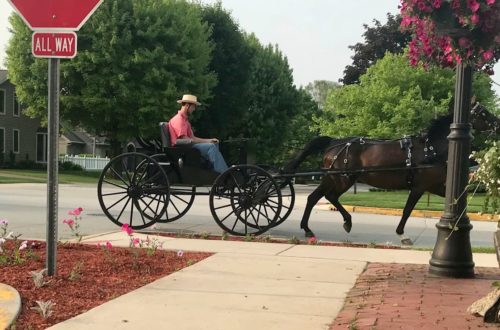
187,98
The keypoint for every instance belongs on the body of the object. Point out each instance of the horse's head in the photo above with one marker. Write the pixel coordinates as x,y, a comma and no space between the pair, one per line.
484,121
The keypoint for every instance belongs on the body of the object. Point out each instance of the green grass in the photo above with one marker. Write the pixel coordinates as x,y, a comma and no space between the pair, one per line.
397,200
475,249
35,176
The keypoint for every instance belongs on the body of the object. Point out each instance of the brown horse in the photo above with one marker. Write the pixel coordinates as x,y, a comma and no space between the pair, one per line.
416,163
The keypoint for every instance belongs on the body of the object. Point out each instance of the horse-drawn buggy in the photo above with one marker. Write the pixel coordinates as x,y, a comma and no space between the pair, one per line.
141,190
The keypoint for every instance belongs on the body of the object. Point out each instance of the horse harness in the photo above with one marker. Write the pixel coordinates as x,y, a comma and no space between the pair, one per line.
406,145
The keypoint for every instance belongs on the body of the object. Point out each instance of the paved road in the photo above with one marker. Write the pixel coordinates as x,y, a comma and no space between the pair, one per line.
24,205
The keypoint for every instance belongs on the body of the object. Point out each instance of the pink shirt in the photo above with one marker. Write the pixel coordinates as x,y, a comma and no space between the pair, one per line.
179,126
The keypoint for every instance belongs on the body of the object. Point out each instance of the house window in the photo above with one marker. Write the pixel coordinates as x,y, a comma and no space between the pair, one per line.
41,147
15,140
2,140
17,107
3,100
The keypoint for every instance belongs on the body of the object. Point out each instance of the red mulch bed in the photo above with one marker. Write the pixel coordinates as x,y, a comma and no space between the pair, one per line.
268,239
406,296
100,277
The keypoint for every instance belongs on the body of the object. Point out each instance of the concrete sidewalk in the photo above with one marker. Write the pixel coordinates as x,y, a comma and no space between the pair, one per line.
245,285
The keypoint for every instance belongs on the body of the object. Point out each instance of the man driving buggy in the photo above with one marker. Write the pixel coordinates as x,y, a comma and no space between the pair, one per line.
181,132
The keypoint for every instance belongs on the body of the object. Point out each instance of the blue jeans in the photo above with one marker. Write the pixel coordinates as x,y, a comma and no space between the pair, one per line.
211,152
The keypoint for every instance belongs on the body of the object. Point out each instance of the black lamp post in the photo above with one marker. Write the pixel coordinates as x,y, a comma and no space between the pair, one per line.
452,255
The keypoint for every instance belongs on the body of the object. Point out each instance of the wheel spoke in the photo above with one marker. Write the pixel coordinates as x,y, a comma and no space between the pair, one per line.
126,170
131,213
175,207
185,202
115,193
120,177
151,178
255,220
114,184
222,207
107,209
123,209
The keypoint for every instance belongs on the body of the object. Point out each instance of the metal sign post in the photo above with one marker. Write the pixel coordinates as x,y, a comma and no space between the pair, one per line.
52,165
54,23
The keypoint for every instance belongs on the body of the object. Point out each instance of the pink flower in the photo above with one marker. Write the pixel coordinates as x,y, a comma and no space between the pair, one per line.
136,241
108,245
490,2
76,211
69,222
312,240
436,3
126,228
4,222
23,245
180,253
473,5
488,55
474,18
464,42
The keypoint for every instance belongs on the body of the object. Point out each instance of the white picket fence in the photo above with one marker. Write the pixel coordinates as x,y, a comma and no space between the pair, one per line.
88,163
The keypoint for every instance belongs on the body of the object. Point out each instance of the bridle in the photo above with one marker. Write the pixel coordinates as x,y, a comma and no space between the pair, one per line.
492,124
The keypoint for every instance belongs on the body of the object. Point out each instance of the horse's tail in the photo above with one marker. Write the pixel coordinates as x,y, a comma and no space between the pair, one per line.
315,145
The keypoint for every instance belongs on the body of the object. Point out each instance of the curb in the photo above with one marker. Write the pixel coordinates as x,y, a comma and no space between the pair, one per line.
10,305
415,213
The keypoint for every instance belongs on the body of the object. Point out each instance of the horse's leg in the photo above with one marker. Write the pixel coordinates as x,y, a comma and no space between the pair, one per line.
333,197
412,200
346,215
312,200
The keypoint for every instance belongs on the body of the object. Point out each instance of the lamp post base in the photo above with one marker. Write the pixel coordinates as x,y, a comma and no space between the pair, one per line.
452,255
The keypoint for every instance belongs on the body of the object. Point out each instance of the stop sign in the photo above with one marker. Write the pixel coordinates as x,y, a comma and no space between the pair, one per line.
49,15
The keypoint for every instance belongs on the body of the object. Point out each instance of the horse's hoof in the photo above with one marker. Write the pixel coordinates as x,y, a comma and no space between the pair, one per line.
406,241
309,233
347,227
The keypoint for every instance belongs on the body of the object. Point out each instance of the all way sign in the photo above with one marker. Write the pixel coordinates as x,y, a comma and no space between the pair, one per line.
54,44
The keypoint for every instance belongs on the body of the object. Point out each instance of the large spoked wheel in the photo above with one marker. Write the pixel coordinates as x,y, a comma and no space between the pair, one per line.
133,189
245,200
181,197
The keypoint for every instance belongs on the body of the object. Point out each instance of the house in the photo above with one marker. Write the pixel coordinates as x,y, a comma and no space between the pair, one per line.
77,142
21,137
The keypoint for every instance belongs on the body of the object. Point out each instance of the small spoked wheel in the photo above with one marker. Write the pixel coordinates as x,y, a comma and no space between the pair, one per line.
133,189
181,197
245,200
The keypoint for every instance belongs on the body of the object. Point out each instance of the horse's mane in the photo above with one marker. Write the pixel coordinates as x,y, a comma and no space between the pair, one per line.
439,127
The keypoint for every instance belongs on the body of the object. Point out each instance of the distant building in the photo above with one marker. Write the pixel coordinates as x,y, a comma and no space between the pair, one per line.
77,142
21,137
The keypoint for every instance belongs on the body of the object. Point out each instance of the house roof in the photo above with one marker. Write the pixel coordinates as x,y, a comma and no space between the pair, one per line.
3,76
81,137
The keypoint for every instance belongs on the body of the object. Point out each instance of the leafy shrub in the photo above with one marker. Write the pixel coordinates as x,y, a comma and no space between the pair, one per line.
69,166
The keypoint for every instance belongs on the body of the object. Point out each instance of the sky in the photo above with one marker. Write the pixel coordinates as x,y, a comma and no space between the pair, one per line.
313,34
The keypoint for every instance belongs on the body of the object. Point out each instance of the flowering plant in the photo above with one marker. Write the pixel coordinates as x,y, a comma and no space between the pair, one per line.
74,223
488,173
451,32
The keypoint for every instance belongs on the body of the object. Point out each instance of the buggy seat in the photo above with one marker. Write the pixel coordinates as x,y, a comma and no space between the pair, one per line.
181,154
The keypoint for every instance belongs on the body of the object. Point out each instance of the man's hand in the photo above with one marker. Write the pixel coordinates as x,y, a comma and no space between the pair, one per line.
214,140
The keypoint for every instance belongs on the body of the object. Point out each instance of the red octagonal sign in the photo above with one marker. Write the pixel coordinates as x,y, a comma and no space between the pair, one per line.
68,15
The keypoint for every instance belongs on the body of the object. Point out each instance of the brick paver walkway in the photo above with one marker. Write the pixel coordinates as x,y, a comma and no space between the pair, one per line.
404,296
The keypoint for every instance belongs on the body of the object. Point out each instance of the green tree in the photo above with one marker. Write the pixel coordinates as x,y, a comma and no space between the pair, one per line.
319,90
135,59
393,99
230,61
273,101
378,40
